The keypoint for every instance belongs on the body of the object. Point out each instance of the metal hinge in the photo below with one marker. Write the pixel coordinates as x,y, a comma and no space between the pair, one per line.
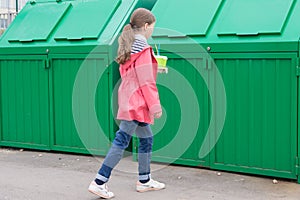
208,64
297,165
297,68
47,64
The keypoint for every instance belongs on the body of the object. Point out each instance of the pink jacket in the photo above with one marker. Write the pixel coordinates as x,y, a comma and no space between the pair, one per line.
138,96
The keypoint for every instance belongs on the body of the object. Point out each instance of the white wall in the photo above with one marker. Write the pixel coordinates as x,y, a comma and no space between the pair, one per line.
8,11
10,5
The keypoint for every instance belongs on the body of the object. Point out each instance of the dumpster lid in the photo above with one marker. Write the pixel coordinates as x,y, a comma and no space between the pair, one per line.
87,20
182,17
254,17
39,20
70,20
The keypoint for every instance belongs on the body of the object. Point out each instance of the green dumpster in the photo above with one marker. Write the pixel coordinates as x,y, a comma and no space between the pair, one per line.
57,74
239,59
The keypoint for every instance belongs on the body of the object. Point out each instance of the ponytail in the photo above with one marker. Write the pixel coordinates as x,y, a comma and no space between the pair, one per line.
125,42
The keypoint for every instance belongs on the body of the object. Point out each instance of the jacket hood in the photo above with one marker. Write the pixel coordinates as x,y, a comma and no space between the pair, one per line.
133,58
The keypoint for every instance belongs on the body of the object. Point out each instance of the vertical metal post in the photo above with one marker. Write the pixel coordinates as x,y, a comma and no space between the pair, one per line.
17,6
8,13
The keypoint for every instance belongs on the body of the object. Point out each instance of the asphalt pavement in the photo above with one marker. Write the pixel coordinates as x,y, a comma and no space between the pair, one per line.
38,175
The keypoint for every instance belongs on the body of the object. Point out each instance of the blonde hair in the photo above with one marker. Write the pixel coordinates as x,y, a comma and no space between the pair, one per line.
138,19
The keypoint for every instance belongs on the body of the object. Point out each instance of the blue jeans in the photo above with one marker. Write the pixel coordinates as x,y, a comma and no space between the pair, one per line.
121,142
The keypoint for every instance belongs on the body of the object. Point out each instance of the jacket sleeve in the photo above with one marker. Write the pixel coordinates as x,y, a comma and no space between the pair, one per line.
147,82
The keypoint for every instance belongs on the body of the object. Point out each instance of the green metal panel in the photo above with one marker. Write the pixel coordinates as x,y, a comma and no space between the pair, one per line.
230,26
37,21
80,24
148,4
87,20
260,131
298,131
168,17
81,103
254,17
179,134
114,82
24,101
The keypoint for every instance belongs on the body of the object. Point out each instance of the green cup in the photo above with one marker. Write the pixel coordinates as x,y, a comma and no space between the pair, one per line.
161,60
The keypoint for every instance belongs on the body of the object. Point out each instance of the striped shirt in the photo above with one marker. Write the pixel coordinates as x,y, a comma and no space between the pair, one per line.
139,44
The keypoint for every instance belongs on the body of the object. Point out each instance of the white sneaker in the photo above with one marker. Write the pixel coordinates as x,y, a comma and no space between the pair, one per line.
100,190
149,186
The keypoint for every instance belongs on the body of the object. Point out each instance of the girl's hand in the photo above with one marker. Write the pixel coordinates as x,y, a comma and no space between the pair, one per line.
157,115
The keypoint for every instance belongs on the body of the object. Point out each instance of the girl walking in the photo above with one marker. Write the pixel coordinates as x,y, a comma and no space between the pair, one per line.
138,101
